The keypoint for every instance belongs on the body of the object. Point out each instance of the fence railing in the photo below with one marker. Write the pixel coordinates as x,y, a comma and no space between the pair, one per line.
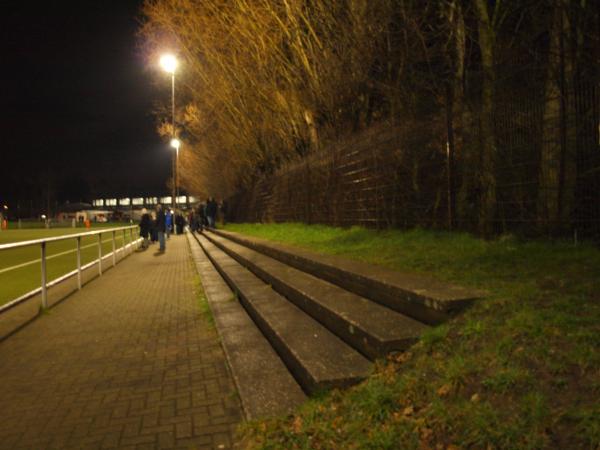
130,240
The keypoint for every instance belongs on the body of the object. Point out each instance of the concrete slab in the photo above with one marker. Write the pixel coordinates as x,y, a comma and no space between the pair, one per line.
265,386
369,327
421,297
317,358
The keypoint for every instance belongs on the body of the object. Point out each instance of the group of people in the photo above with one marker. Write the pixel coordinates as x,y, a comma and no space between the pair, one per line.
157,226
206,214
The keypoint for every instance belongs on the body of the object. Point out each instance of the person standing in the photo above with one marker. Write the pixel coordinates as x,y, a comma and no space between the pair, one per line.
201,217
211,212
153,232
207,212
161,227
145,226
169,223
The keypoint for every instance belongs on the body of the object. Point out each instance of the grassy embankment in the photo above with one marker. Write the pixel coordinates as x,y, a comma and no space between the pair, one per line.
21,280
518,370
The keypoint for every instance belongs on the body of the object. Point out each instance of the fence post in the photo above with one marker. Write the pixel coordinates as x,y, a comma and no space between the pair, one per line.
100,253
124,247
79,262
44,278
114,251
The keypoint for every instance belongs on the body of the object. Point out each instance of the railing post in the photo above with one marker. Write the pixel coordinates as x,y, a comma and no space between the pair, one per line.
44,278
131,239
79,262
114,249
100,253
124,247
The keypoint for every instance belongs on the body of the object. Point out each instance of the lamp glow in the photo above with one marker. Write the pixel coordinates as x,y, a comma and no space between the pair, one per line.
175,143
169,63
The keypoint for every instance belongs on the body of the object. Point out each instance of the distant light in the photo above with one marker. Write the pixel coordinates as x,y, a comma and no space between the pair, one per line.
5,206
43,216
168,62
175,143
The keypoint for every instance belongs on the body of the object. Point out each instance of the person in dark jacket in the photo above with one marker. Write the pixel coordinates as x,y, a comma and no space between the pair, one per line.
145,226
200,217
211,212
179,223
153,232
161,227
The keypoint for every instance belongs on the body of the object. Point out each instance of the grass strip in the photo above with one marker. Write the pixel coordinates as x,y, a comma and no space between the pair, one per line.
518,370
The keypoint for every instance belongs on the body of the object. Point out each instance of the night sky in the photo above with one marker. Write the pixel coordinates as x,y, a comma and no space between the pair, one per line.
77,99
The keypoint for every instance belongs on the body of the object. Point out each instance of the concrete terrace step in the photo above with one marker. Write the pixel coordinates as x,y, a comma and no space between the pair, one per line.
317,358
367,326
421,297
265,385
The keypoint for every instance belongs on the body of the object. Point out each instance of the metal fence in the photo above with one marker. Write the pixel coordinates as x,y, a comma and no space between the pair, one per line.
130,241
547,171
511,145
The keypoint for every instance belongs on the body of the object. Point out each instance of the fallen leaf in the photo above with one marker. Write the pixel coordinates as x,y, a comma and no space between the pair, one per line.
297,425
408,411
475,398
444,390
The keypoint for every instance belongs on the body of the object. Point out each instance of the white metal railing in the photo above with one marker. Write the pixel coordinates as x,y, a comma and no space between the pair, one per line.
127,231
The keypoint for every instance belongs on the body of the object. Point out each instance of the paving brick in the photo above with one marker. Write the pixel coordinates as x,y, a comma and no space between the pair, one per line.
111,440
183,430
166,439
127,362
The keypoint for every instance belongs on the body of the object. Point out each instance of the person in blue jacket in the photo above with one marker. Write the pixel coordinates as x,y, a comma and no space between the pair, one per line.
169,222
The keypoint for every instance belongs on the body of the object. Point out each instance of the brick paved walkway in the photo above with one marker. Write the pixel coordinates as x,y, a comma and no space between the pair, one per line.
128,362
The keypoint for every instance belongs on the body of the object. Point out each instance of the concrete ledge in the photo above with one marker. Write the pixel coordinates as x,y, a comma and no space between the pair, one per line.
421,297
369,327
317,358
265,385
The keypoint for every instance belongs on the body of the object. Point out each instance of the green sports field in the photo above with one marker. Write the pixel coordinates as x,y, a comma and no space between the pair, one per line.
20,268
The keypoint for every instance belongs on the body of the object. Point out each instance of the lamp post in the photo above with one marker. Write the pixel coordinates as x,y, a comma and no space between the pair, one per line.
169,64
176,143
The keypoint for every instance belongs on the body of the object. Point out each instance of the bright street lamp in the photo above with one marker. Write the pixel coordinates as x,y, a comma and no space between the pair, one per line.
169,64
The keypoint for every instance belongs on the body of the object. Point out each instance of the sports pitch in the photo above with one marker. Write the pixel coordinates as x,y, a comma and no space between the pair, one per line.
20,269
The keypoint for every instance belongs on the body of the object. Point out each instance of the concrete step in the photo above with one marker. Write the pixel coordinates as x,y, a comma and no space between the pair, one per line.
265,386
317,358
369,327
421,297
